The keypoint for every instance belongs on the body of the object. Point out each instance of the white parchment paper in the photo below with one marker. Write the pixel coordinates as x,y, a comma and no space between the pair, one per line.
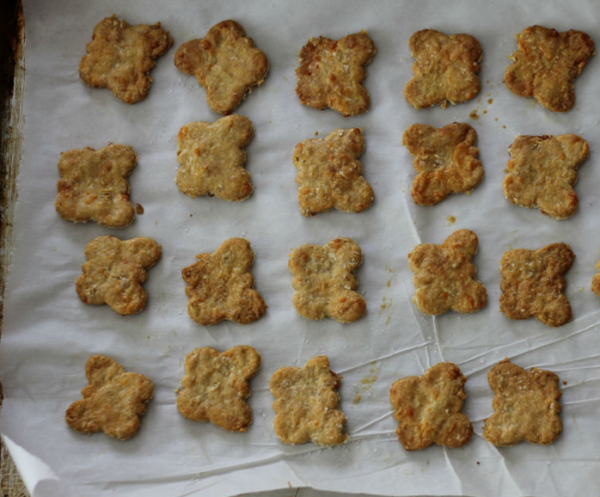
49,333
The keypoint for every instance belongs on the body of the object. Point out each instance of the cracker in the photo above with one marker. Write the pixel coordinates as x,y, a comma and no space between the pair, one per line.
121,56
596,281
226,63
306,404
542,171
114,272
533,284
445,69
546,64
445,160
428,407
221,287
324,283
331,72
526,406
216,386
444,275
212,158
94,187
113,401
330,174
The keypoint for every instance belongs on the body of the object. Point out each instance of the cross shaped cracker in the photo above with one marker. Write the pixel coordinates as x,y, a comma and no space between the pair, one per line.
114,272
533,284
220,285
546,64
444,275
306,401
212,158
526,406
121,56
324,283
94,186
226,63
428,408
445,69
542,171
331,72
330,174
445,160
113,400
216,386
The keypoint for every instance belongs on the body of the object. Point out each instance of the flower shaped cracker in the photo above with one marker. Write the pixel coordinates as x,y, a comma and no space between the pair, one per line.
444,275
212,157
121,56
526,406
94,186
445,160
331,72
226,63
215,386
220,285
428,408
542,172
324,284
330,174
306,402
114,272
113,400
445,69
546,64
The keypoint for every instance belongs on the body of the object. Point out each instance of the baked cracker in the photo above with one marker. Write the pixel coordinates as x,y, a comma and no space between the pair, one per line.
596,281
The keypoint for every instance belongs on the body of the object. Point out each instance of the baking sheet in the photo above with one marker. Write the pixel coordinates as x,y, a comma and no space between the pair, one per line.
48,333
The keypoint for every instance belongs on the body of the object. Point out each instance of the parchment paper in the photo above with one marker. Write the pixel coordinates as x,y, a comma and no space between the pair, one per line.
49,333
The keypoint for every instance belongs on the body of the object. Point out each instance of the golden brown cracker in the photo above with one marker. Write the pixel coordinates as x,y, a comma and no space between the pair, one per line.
331,73
546,64
445,160
121,56
330,174
444,275
94,187
533,284
226,63
114,272
542,171
113,401
306,404
445,69
526,406
215,386
324,283
428,408
221,287
596,281
212,158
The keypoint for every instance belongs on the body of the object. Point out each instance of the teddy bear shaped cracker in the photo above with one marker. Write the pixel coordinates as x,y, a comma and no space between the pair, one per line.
212,158
306,404
330,174
445,69
115,271
324,283
596,281
444,275
226,63
542,171
428,407
546,64
113,400
121,56
221,287
445,160
331,73
94,187
216,386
